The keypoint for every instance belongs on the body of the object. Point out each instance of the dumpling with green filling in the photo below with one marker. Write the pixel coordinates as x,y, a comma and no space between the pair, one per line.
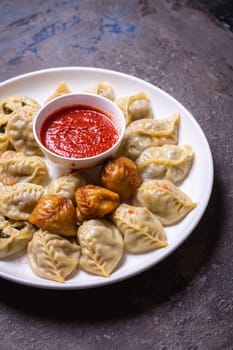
14,236
149,132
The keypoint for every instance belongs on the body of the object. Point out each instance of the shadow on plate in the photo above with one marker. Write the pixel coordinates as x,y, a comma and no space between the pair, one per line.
165,282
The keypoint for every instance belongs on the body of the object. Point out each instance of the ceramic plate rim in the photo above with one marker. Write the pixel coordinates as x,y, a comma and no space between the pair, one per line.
40,283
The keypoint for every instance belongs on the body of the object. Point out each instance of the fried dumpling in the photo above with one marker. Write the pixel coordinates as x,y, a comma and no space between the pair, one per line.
103,89
141,230
168,162
95,202
18,201
66,185
17,167
145,133
52,256
168,202
13,103
135,107
20,132
121,175
101,247
61,89
14,236
56,214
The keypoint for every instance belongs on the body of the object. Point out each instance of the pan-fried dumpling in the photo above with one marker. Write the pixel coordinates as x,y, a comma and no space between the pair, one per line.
101,247
16,167
149,132
103,89
56,214
13,103
51,256
168,162
135,107
4,139
168,202
66,185
14,236
121,175
95,202
20,132
18,201
61,89
141,230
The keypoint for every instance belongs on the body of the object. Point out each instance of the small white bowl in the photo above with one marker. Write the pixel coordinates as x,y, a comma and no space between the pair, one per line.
69,100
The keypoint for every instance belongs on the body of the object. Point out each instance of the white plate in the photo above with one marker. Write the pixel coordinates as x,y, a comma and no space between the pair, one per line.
198,185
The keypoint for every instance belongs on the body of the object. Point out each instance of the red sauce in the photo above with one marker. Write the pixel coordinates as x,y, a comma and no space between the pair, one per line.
78,132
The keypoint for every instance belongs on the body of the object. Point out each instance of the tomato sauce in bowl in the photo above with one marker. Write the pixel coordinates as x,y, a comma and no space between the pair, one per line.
78,131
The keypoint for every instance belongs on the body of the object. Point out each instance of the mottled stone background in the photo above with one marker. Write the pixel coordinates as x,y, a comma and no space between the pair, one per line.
185,302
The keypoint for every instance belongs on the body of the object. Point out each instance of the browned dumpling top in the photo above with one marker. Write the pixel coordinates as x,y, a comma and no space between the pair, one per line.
56,214
121,175
95,202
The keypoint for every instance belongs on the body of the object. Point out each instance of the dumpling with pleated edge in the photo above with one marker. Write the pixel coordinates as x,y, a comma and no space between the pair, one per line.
52,256
141,230
167,162
20,132
149,132
135,107
101,247
14,236
104,89
167,201
66,185
17,167
56,214
18,201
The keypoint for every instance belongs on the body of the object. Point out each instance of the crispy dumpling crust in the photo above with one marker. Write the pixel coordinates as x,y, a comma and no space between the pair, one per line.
52,256
101,247
121,175
167,201
141,230
95,202
55,213
17,167
14,236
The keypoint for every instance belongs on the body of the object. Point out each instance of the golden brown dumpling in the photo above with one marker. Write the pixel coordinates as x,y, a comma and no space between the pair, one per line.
121,175
95,202
56,214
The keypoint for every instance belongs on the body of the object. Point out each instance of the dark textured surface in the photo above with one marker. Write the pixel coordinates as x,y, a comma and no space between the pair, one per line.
185,302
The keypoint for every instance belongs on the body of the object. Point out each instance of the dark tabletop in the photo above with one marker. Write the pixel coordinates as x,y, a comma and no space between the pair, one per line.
185,302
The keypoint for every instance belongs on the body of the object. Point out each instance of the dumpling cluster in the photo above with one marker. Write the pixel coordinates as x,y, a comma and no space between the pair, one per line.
77,221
